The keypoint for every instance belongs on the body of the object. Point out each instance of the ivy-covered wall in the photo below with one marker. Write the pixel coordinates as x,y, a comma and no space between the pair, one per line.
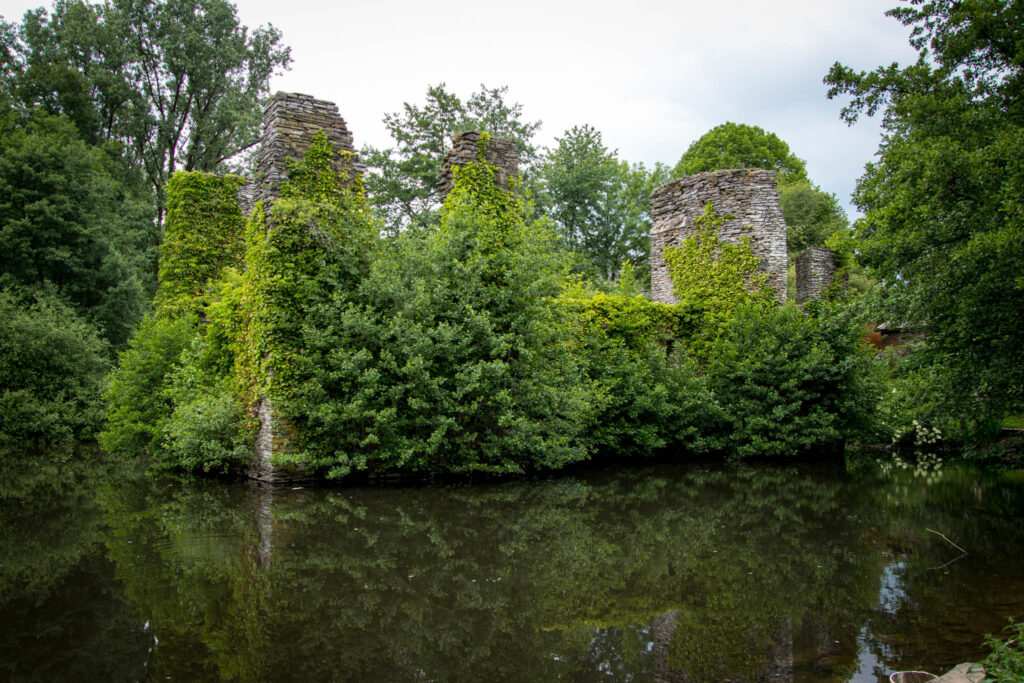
203,234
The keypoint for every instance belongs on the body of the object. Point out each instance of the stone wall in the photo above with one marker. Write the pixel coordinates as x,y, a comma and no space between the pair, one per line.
749,195
289,122
501,152
815,270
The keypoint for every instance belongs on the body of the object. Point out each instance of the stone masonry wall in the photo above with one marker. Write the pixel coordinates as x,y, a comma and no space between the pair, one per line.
815,270
289,122
749,195
501,152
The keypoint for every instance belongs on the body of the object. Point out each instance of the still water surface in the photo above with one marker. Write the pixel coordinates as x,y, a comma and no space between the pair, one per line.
665,572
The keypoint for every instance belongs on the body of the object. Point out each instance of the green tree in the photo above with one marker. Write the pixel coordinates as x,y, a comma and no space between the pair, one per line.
811,214
178,83
403,179
69,220
598,202
944,220
52,365
736,145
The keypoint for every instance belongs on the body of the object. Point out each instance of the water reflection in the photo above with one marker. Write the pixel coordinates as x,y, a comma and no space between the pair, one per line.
685,573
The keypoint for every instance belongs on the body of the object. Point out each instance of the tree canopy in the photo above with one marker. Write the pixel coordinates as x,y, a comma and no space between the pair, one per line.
944,219
403,179
737,145
598,202
177,82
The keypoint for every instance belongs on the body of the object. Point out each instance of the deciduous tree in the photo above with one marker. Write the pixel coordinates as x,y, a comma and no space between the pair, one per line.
599,202
403,179
177,82
944,223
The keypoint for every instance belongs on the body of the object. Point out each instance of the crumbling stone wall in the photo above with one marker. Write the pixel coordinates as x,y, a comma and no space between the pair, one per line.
500,152
815,270
289,122
749,195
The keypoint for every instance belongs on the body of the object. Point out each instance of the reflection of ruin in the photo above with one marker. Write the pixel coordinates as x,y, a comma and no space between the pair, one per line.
271,534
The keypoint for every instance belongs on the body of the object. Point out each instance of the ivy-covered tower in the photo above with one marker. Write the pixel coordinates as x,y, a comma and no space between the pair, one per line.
748,195
290,122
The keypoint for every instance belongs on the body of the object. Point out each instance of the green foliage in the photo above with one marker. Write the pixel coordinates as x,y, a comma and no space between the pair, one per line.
1005,663
598,202
715,277
138,403
944,224
633,320
448,357
52,365
203,234
319,243
787,382
650,397
69,219
811,215
403,179
178,84
737,145
207,430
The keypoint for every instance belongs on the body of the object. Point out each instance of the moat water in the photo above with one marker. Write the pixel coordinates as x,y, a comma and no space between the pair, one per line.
686,572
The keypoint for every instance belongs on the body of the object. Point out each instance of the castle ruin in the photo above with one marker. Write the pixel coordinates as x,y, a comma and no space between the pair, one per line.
749,196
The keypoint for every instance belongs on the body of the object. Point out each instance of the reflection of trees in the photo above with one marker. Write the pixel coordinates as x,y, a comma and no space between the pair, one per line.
938,602
661,573
510,581
63,615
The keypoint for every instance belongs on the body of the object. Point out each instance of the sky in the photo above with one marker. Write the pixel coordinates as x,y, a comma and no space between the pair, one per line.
651,75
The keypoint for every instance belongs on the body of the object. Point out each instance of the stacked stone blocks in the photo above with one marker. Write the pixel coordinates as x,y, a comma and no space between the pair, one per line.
815,270
290,120
501,153
748,195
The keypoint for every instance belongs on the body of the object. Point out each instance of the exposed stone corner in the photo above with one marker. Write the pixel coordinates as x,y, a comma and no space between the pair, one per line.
815,271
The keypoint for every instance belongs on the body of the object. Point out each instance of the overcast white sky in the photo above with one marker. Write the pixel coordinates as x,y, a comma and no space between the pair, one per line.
651,75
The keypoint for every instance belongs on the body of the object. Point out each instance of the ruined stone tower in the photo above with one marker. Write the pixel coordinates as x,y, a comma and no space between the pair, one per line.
815,270
290,120
501,153
749,195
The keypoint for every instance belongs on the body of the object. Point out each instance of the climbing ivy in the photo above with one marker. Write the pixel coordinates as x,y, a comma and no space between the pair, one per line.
202,235
315,242
715,277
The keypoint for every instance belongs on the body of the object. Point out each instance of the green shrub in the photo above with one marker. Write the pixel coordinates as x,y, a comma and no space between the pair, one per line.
52,365
649,396
788,382
1005,663
450,356
207,432
138,402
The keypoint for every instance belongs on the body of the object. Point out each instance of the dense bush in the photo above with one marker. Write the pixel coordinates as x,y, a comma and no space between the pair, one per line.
449,355
787,382
52,365
138,403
